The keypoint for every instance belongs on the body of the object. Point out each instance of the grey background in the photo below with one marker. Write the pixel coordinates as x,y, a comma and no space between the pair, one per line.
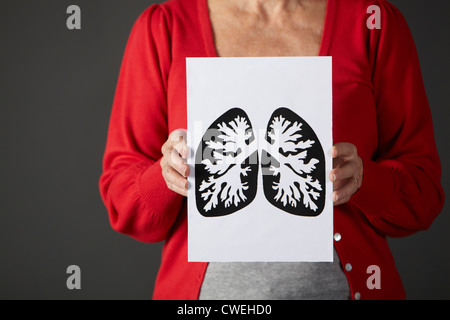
56,94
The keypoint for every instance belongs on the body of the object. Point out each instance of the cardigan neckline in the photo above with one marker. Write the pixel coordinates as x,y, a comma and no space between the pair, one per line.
207,30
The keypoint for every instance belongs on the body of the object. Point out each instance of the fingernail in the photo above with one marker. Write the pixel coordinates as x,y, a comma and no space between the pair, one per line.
335,197
333,152
333,177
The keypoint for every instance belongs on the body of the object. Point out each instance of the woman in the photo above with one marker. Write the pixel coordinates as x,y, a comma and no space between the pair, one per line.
386,175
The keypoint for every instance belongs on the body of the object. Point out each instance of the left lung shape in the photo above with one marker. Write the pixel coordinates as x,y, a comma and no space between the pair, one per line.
226,165
293,167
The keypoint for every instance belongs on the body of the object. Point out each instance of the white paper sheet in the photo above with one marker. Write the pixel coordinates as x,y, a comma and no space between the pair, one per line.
260,135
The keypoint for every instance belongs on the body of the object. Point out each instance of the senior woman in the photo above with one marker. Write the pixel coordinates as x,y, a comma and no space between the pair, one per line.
386,175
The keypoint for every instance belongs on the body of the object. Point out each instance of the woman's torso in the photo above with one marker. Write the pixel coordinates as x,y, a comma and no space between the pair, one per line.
294,31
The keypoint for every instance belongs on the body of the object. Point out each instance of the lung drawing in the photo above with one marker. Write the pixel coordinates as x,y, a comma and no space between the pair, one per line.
293,165
226,165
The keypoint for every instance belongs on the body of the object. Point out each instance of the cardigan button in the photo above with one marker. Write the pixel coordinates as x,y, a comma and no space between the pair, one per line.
337,236
348,267
357,296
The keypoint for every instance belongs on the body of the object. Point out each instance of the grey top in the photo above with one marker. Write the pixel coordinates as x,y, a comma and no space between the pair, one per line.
275,281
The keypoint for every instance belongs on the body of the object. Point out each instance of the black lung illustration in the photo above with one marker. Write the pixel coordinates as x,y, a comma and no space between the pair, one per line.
293,165
226,165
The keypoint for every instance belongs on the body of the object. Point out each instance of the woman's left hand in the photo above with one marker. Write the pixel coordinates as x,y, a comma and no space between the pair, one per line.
347,173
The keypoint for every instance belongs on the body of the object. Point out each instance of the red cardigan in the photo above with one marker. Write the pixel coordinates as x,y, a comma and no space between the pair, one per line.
379,104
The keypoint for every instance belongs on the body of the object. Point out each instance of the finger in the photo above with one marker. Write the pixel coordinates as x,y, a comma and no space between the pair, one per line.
339,184
177,136
337,162
166,147
175,161
163,162
345,192
347,170
174,180
174,138
344,150
182,148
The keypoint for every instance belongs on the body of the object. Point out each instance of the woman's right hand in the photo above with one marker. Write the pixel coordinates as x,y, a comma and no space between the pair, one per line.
174,167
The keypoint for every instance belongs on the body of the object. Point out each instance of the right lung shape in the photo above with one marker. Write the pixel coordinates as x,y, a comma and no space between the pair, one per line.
226,165
294,166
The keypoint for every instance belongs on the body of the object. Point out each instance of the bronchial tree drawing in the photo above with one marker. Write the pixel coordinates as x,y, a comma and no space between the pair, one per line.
226,168
293,165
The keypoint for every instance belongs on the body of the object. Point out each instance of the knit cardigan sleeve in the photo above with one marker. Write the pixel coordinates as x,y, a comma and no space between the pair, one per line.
401,191
131,185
